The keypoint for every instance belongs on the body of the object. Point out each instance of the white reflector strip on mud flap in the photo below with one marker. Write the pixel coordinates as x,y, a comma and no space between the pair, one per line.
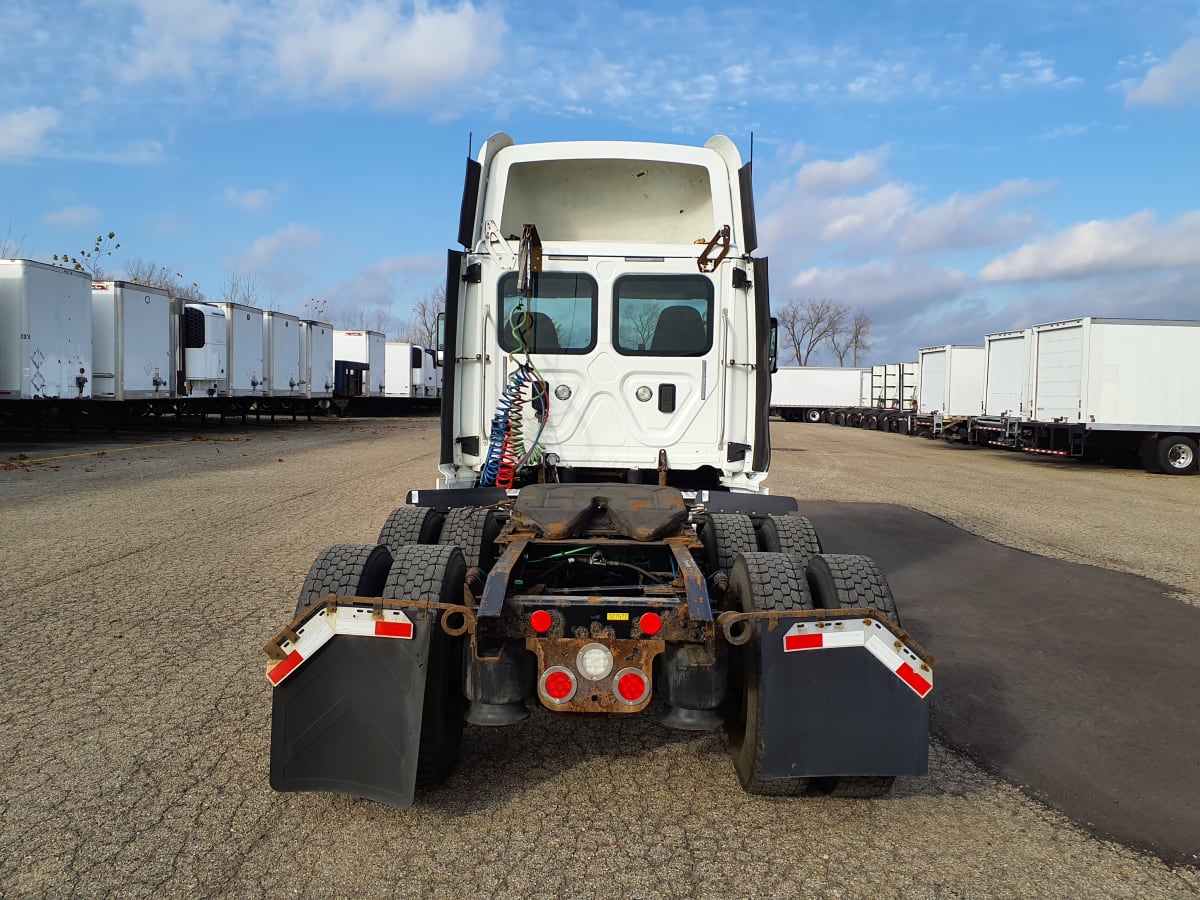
878,641
320,627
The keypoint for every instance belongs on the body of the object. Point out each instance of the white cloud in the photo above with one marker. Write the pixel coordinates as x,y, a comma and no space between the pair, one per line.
825,176
883,283
1034,70
252,200
280,250
1065,131
331,47
174,38
1173,83
22,133
971,220
819,206
1133,244
72,216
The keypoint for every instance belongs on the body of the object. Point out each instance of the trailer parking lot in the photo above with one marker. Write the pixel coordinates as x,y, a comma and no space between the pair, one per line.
141,579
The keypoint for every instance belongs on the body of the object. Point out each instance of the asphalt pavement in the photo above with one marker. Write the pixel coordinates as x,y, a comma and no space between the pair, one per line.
1079,684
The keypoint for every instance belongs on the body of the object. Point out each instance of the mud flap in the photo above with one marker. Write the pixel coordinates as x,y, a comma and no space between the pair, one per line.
835,712
349,719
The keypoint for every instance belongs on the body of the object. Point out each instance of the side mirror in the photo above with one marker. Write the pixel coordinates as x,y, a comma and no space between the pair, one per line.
773,350
441,340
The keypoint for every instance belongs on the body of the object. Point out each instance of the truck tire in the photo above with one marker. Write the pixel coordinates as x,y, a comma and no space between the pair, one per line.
409,525
351,570
870,422
725,535
760,581
474,529
435,574
845,581
1177,455
793,535
812,416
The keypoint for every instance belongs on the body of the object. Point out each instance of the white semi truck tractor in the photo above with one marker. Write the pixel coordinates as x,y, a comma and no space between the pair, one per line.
600,539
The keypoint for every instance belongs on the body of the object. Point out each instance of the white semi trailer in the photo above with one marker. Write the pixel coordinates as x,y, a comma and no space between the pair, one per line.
45,331
1007,389
949,388
405,364
133,356
316,358
360,363
281,355
809,393
1108,388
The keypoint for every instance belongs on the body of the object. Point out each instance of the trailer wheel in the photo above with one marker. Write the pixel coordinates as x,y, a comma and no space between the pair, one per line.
351,570
845,581
793,535
435,574
870,422
725,535
474,529
812,415
760,581
1177,455
409,525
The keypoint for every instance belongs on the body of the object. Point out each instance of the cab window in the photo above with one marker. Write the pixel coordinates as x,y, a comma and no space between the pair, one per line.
663,315
560,318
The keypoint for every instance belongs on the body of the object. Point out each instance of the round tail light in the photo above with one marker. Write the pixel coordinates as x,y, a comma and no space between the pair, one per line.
541,621
632,686
594,662
650,624
558,684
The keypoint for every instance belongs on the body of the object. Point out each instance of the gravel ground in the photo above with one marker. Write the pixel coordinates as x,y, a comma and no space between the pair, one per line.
142,584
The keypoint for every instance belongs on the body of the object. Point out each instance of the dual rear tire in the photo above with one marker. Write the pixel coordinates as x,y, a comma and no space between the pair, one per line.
432,573
782,581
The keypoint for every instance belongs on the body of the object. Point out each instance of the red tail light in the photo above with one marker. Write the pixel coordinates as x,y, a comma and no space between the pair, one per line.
558,684
650,624
541,621
632,686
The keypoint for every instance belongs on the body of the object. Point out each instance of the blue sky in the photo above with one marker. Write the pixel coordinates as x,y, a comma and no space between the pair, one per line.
954,168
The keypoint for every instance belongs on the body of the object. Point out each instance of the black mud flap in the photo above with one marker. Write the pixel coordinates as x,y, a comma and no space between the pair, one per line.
837,712
349,719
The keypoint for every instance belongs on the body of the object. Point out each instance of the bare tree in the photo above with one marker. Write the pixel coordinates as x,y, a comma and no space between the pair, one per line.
152,274
422,324
90,260
381,320
638,327
851,337
241,287
809,324
10,247
860,330
354,319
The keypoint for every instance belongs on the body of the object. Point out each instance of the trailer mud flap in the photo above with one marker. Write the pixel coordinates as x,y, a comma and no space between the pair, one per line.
349,719
850,707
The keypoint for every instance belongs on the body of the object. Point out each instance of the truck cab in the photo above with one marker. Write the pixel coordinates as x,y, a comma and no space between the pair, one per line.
607,318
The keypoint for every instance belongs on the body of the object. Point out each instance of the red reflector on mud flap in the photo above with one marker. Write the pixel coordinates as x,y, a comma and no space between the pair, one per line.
909,676
280,671
802,642
394,629
870,635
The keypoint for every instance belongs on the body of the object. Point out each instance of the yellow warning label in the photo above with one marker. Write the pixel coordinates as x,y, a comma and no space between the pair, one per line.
618,617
